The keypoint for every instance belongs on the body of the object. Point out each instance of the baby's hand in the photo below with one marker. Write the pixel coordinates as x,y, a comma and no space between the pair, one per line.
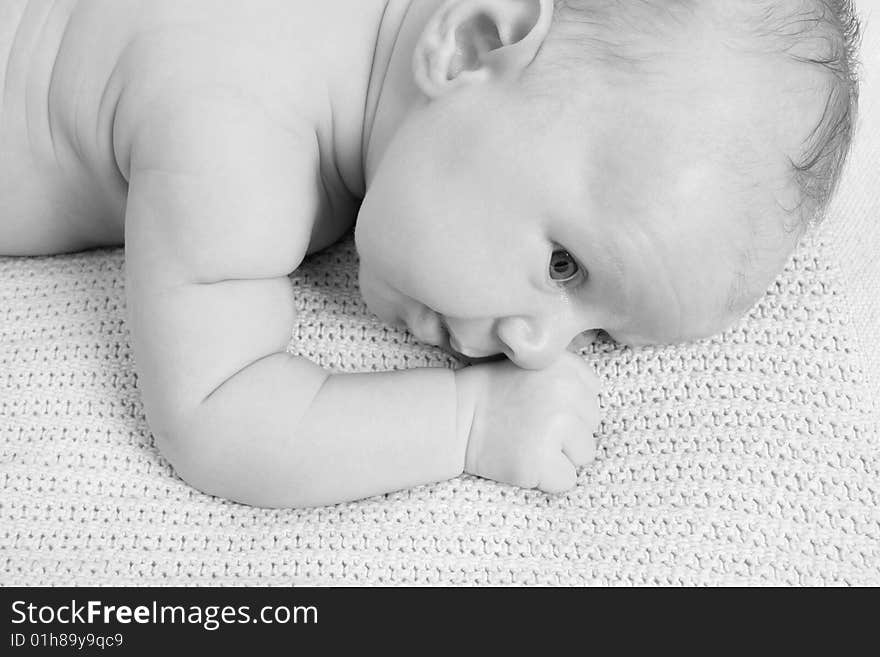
530,428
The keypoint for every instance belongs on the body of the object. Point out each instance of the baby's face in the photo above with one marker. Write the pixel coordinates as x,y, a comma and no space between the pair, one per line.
497,223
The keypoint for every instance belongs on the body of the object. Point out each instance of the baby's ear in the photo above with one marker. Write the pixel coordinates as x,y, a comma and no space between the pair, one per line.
471,41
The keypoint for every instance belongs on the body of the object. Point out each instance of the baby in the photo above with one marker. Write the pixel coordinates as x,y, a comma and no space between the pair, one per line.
519,172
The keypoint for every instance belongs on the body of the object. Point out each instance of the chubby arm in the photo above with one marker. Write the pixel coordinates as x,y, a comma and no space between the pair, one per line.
220,208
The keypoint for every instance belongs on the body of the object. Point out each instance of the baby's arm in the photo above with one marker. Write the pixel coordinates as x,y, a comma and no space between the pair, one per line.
219,210
218,213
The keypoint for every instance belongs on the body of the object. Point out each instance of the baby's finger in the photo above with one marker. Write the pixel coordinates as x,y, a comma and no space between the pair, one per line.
580,446
590,379
590,412
558,473
574,434
585,373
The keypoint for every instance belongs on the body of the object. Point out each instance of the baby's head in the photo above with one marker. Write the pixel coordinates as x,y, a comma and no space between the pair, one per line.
640,166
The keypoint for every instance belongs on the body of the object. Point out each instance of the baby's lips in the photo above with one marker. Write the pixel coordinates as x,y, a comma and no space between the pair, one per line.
474,360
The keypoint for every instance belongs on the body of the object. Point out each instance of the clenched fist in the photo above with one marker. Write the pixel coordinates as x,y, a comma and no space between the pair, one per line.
529,428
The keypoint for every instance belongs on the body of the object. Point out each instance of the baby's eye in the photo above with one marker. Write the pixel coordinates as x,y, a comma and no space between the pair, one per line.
563,267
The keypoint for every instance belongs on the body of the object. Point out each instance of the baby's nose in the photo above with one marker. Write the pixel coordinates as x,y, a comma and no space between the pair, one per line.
532,344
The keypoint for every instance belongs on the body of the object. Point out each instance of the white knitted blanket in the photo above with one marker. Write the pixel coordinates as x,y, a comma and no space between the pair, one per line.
750,458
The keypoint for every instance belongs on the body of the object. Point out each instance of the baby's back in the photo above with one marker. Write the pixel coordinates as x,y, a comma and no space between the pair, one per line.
80,73
59,186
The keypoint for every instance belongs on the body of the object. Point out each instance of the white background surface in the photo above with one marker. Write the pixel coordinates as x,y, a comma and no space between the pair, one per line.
854,216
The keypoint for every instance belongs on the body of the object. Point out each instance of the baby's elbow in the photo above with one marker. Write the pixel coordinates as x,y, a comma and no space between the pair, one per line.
182,449
231,467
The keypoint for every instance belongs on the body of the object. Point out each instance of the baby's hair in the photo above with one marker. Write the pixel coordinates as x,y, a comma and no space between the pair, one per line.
627,36
831,28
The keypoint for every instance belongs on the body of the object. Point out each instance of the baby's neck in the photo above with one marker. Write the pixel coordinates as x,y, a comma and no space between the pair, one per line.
361,123
343,77
392,90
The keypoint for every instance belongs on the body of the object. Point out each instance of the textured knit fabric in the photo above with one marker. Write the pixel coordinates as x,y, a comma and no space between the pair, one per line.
855,212
752,457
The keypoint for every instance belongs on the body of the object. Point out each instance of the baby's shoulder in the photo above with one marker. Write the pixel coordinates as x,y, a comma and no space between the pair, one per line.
222,94
232,48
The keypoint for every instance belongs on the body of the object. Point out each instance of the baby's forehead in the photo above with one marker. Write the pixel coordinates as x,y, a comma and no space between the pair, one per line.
763,51
713,205
719,127
780,71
